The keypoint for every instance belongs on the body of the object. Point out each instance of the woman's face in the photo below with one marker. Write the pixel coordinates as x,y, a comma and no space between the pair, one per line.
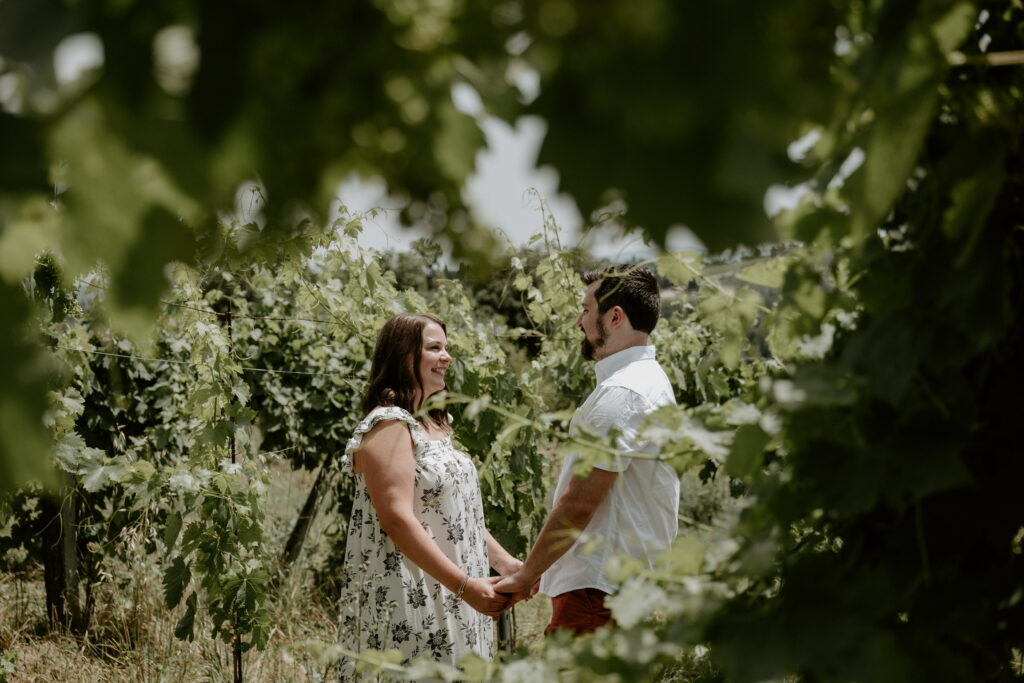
434,359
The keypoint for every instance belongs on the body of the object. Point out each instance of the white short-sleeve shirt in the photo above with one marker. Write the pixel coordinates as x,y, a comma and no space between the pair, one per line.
639,516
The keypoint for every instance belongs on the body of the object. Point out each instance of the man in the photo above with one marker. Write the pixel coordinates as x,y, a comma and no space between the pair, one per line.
624,505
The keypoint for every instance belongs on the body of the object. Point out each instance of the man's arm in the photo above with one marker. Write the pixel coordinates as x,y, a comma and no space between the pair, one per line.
571,514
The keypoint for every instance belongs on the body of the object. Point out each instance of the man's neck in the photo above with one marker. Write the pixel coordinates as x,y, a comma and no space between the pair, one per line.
613,346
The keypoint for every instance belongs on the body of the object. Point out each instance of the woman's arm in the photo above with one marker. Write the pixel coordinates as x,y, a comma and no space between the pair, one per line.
388,466
501,561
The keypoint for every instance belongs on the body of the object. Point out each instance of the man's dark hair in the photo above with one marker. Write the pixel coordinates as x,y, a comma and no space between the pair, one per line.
634,289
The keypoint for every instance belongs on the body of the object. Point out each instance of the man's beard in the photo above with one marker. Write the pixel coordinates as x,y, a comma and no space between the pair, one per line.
587,348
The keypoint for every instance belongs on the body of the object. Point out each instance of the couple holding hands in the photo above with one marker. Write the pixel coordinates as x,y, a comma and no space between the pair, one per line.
418,556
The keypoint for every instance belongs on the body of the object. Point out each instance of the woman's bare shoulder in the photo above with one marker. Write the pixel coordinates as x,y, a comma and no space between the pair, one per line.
388,428
383,441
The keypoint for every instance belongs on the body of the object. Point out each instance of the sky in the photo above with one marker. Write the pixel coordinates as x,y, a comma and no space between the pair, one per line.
510,194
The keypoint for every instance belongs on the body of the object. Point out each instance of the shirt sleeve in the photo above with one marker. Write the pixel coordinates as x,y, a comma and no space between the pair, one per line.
622,410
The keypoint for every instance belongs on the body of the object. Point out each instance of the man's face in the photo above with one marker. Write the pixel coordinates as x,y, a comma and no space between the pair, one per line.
589,320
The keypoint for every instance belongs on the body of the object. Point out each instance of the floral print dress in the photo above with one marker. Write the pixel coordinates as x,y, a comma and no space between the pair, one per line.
387,601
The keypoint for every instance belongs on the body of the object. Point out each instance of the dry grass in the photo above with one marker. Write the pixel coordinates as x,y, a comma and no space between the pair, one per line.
530,618
131,636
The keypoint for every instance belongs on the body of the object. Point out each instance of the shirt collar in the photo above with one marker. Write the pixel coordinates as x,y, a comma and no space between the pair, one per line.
606,367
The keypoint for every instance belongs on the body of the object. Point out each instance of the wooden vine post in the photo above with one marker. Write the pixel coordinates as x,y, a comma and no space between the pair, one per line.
301,529
507,631
60,559
237,644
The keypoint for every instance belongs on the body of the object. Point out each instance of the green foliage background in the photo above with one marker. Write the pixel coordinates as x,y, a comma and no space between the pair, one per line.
860,393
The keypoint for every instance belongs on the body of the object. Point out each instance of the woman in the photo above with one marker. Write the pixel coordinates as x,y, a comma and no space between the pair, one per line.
416,562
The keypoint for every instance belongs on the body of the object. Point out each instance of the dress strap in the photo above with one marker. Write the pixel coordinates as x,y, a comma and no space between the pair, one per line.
379,414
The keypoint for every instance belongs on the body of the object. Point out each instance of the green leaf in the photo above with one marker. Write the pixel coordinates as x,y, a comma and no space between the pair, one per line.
96,478
476,668
747,451
240,390
685,557
974,193
768,273
185,629
458,139
809,296
23,163
636,600
162,238
176,579
172,530
901,102
680,268
32,231
261,627
952,27
25,446
673,162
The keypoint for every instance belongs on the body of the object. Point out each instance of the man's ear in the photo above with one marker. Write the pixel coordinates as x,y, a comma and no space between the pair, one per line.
618,316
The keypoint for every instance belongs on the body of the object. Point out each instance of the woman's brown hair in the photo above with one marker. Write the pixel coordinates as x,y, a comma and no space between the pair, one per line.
394,374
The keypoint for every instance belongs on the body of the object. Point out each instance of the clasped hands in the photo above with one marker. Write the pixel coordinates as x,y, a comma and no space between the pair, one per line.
517,586
496,594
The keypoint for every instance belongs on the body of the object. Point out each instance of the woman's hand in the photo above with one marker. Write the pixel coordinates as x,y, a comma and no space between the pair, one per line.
501,560
481,596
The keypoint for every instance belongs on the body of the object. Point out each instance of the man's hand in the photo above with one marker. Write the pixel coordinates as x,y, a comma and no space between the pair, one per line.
519,586
481,595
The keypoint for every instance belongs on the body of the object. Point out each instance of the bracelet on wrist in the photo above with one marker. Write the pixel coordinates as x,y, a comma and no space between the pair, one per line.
462,587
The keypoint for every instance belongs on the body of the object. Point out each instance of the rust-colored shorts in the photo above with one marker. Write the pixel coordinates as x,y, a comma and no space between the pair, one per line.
582,611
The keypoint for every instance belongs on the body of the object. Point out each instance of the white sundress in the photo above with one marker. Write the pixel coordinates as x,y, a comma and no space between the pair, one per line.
387,601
